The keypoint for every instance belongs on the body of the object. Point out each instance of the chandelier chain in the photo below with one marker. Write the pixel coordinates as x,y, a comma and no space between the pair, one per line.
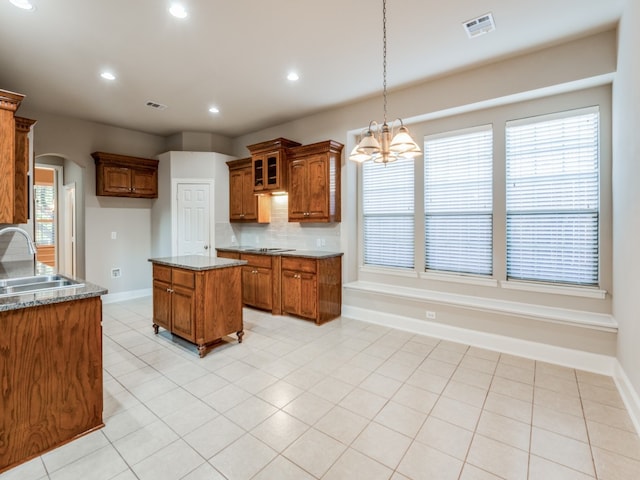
384,57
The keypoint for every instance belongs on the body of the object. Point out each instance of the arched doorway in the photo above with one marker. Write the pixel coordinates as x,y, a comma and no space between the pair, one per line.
59,213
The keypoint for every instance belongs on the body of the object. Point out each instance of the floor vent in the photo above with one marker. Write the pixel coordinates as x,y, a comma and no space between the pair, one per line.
479,26
157,106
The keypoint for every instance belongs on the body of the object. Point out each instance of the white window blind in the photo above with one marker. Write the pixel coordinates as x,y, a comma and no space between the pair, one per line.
552,174
45,214
458,201
388,210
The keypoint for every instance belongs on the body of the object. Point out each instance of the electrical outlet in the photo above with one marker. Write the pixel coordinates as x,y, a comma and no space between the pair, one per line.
116,273
431,315
233,239
114,235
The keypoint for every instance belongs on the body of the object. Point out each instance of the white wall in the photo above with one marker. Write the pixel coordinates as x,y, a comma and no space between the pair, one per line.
188,165
565,70
199,142
626,194
74,140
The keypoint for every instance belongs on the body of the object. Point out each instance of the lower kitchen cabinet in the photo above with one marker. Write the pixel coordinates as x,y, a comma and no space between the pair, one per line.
259,286
51,377
299,293
308,286
201,306
312,287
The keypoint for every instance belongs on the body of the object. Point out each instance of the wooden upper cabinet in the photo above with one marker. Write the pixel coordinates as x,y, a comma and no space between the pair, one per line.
314,182
14,160
125,176
244,205
269,167
21,200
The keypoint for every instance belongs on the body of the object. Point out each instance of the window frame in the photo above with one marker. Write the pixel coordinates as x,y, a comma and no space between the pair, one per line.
498,112
486,144
537,212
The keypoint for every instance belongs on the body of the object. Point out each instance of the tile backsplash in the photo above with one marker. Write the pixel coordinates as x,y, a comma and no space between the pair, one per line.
280,232
13,247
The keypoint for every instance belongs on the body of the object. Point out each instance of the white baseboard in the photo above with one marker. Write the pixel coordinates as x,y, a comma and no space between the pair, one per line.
592,362
629,395
130,295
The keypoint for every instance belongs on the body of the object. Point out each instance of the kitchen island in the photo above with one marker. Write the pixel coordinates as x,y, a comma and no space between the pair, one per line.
50,365
198,298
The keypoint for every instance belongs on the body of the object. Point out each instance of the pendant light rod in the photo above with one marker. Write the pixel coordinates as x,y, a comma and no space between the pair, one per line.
380,143
384,58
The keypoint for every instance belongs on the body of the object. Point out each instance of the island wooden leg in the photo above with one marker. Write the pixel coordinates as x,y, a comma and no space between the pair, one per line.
240,335
202,349
156,328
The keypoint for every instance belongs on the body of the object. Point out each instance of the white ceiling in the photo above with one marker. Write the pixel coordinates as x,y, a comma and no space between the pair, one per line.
235,54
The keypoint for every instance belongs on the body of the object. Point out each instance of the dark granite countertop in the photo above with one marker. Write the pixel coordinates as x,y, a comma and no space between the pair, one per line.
26,300
197,262
282,252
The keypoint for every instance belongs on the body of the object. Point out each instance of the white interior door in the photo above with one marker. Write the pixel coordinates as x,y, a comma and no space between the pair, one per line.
193,220
69,231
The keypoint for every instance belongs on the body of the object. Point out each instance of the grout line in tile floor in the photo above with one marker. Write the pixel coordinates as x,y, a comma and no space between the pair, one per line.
345,400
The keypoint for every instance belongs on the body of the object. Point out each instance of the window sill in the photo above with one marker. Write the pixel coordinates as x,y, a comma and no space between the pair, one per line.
585,292
565,316
459,278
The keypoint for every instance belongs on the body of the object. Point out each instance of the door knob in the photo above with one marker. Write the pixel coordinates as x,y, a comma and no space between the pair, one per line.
206,247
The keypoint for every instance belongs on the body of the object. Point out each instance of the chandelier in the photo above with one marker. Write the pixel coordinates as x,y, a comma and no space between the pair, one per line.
384,143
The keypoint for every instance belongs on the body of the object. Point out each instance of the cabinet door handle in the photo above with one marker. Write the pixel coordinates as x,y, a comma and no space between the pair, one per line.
169,290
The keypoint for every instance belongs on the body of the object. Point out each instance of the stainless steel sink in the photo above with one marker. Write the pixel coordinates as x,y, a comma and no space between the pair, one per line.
38,283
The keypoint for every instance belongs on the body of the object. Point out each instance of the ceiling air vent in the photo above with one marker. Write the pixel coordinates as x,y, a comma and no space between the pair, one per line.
479,26
157,106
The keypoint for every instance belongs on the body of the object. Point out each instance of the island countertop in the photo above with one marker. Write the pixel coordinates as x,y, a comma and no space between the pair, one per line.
197,262
19,269
283,252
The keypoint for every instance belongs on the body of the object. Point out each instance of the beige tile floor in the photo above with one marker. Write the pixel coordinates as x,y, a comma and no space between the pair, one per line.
348,400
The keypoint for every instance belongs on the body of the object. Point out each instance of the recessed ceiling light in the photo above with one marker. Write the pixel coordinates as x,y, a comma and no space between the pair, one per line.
178,10
23,4
214,110
108,76
293,77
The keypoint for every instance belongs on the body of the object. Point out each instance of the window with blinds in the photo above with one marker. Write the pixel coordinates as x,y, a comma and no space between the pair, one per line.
45,214
552,188
458,199
388,211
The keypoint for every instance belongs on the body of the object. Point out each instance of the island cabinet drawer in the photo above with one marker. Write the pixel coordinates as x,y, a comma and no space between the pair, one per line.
184,278
299,264
257,260
162,273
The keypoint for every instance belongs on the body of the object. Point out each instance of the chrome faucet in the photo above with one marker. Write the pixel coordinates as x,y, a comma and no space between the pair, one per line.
30,244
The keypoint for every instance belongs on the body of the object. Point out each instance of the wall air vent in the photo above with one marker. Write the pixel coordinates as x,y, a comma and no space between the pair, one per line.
157,106
479,26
